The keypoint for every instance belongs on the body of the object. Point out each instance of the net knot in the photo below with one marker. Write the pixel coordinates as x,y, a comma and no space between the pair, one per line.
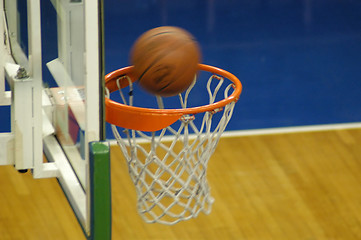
187,118
217,77
216,110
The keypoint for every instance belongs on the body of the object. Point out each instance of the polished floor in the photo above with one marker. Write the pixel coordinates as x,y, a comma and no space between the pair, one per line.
285,186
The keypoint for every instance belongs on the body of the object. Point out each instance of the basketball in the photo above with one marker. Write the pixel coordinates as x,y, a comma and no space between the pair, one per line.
165,60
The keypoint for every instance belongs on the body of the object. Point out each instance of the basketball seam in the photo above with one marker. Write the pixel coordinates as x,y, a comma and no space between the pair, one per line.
165,32
167,85
159,34
155,61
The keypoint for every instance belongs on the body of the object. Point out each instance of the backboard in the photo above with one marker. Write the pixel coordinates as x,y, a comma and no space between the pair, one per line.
52,60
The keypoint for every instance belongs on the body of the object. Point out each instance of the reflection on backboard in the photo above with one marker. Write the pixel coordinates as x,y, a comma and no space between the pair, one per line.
57,103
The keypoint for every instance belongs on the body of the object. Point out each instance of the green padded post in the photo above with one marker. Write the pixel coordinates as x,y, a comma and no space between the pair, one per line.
100,191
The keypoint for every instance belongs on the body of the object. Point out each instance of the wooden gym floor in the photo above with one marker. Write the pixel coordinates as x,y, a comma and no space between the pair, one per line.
286,186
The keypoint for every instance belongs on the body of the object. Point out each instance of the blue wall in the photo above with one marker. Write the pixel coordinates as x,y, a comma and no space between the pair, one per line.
299,61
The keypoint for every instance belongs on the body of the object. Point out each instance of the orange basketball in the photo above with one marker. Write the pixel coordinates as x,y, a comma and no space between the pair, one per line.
165,60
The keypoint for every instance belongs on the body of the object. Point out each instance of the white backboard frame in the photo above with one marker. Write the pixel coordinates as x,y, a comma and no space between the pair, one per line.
32,109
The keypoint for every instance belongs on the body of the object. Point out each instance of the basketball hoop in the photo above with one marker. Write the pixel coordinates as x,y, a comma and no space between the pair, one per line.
167,150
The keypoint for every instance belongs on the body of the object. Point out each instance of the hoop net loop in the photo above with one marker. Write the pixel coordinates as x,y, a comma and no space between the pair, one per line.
167,150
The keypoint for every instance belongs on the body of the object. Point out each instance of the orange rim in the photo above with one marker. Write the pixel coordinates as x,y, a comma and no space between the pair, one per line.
151,119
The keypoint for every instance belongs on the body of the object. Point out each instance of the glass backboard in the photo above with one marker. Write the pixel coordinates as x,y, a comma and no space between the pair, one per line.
58,44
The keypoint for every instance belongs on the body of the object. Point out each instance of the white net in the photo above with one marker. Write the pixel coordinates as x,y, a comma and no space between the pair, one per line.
169,167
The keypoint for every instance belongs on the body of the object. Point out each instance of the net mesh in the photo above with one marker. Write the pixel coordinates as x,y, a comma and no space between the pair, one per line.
169,167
